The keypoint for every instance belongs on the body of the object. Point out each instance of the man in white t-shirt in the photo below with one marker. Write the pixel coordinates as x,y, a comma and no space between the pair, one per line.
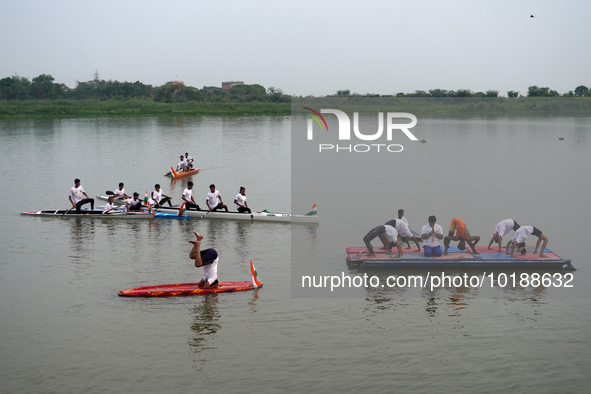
518,240
208,259
387,234
134,204
432,234
119,193
240,201
188,197
403,231
182,166
189,160
76,194
158,198
109,206
214,200
502,228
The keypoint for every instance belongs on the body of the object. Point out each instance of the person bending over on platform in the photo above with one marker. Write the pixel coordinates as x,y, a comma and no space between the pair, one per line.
134,204
119,193
240,201
387,234
401,217
182,166
214,200
189,160
432,234
76,196
502,228
188,197
402,229
158,198
208,259
518,240
462,234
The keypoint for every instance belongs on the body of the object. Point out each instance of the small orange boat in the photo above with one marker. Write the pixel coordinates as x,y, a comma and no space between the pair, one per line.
174,175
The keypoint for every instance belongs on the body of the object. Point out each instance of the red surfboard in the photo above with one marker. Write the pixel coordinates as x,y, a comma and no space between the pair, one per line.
189,289
185,289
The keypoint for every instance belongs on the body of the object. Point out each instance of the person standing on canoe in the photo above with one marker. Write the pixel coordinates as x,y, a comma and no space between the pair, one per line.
182,166
188,197
189,160
502,228
158,198
208,259
459,228
76,196
240,201
134,204
521,235
432,234
387,234
214,200
119,193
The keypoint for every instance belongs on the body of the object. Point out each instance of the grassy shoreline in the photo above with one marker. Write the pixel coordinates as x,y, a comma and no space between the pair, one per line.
430,107
94,108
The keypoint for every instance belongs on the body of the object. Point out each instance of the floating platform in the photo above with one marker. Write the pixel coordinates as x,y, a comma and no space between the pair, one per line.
359,256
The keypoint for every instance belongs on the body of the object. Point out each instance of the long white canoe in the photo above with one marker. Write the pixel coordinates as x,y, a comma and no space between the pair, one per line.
96,214
265,215
255,216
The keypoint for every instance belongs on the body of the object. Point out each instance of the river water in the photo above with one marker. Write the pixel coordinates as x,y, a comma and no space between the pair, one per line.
64,329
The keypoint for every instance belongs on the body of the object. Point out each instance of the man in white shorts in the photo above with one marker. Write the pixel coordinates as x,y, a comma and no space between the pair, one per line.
502,228
208,259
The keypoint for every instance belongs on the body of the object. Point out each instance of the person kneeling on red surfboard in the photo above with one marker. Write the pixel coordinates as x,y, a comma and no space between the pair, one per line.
208,259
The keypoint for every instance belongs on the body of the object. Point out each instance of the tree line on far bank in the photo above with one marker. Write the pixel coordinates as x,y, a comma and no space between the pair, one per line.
532,91
43,87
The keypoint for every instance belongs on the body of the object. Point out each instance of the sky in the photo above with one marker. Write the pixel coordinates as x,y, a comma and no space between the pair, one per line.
304,47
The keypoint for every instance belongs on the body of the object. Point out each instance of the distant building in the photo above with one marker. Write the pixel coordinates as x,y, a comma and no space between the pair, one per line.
228,85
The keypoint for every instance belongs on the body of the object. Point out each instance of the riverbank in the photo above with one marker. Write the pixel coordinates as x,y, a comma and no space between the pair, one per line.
419,106
137,107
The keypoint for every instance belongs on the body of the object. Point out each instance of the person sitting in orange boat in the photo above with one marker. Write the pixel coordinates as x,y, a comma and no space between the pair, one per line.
182,166
459,228
208,259
518,240
189,160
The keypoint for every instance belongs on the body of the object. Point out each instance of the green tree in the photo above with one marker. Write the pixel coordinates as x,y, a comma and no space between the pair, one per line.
581,91
15,88
512,93
43,87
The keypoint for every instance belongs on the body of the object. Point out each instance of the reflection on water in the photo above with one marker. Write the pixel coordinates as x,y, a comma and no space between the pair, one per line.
206,316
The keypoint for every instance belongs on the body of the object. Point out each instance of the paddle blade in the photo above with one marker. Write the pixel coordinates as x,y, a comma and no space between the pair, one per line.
109,193
255,279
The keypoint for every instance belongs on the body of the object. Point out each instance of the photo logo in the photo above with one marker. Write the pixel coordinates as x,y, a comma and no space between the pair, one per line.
344,130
